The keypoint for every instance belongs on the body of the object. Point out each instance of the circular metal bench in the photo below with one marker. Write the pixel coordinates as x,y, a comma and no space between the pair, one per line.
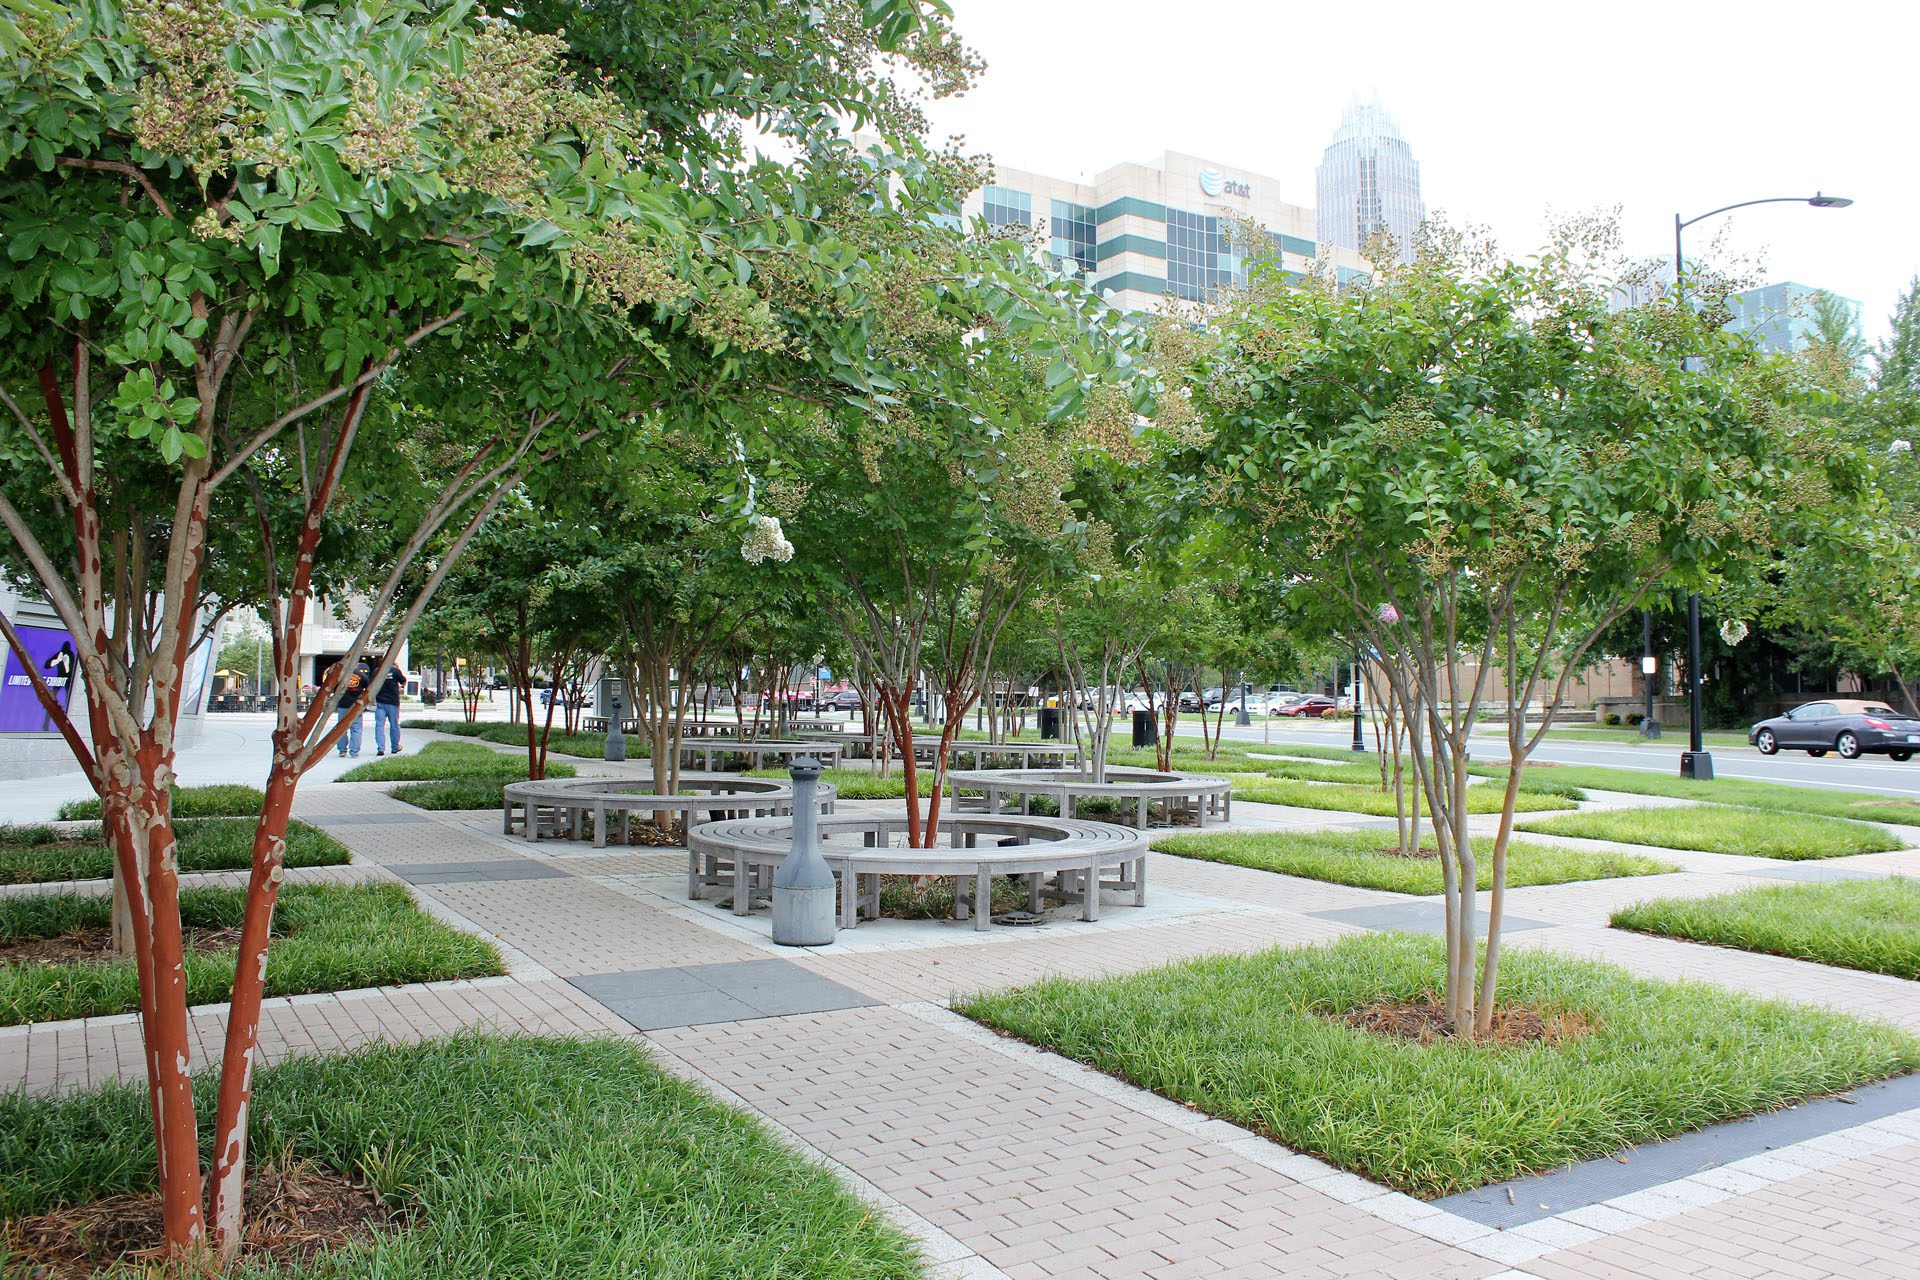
859,746
741,855
560,808
759,755
1200,795
737,729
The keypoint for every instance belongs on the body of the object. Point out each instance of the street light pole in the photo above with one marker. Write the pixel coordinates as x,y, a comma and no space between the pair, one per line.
1649,667
1696,762
1359,739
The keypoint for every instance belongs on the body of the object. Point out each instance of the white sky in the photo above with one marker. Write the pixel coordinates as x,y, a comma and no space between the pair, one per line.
1512,108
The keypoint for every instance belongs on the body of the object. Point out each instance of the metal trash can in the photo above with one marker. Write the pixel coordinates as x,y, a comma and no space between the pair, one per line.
1146,731
1050,723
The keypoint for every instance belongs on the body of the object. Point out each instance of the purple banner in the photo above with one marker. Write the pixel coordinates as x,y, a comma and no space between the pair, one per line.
52,653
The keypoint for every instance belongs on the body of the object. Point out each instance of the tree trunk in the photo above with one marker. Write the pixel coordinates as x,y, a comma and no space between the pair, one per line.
152,863
243,1015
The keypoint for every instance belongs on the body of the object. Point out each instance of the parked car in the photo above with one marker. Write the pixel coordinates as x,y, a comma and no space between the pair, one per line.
845,700
1849,726
1312,704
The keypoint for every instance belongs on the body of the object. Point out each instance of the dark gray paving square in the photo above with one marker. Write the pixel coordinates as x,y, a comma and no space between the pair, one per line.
462,872
641,983
1654,1163
1802,871
691,995
653,1013
1418,917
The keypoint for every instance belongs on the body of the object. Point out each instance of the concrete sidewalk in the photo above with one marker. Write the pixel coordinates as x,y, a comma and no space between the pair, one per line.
1010,1162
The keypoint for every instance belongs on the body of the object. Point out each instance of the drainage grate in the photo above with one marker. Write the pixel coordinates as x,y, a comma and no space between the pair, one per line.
1027,918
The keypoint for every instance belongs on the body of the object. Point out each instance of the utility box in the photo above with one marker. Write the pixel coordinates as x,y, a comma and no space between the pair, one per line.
1050,723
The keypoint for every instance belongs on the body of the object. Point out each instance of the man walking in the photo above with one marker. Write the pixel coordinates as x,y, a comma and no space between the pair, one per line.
357,681
386,711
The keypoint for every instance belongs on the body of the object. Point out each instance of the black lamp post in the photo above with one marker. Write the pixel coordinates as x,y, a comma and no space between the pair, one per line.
1649,667
1359,739
1696,762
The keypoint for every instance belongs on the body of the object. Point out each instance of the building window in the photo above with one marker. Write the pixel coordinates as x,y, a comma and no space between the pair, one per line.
1074,236
1005,207
1197,256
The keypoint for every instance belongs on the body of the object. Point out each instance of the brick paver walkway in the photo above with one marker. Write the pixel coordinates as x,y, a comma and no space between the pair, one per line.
1014,1163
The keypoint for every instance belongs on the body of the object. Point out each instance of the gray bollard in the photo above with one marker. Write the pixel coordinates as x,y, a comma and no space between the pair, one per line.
616,739
804,911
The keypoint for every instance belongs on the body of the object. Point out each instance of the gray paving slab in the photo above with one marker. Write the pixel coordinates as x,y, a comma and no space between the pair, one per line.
1654,1163
381,819
1418,917
654,1013
488,869
696,994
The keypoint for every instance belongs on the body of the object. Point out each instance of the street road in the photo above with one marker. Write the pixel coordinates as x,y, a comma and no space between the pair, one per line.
1869,773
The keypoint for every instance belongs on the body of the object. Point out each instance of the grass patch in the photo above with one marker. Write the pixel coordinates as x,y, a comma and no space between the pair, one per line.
1859,924
451,775
1356,858
1739,791
225,800
1630,736
517,1157
1371,799
38,853
327,938
441,761
1259,1040
591,746
858,783
1719,828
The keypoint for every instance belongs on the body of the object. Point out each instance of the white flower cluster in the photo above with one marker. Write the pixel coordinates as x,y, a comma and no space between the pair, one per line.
766,542
1900,446
1733,631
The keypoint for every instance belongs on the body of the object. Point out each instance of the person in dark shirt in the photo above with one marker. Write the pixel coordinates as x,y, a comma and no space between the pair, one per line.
350,705
386,711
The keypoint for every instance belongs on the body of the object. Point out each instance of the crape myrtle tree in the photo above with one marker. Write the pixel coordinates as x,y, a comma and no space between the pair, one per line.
531,594
1844,584
237,236
926,528
1120,587
679,581
1474,466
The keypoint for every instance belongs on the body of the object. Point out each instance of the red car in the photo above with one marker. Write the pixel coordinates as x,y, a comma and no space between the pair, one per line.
1312,705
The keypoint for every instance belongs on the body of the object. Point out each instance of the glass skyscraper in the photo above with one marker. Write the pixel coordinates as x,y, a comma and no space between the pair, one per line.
1368,181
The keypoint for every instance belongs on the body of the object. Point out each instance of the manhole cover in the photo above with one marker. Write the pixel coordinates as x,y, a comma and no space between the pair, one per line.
1019,918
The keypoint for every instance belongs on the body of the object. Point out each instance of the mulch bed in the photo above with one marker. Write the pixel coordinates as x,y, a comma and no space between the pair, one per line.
1424,1021
96,946
293,1214
1417,854
645,833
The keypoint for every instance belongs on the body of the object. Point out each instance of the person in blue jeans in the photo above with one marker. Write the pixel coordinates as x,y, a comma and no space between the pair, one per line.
386,711
357,681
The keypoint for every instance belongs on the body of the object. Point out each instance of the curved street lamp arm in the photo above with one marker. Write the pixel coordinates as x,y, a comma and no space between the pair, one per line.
1742,205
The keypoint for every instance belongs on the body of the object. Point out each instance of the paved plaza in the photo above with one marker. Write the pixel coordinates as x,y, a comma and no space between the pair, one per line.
1010,1162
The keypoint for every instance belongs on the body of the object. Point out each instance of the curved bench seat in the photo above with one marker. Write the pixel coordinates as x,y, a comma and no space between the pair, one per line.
1202,795
859,746
560,807
702,752
742,854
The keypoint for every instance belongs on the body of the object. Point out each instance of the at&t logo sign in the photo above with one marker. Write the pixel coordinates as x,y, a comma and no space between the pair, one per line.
1215,183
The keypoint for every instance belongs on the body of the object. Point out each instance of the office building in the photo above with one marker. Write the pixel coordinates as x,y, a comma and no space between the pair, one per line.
1368,181
1780,317
1143,233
